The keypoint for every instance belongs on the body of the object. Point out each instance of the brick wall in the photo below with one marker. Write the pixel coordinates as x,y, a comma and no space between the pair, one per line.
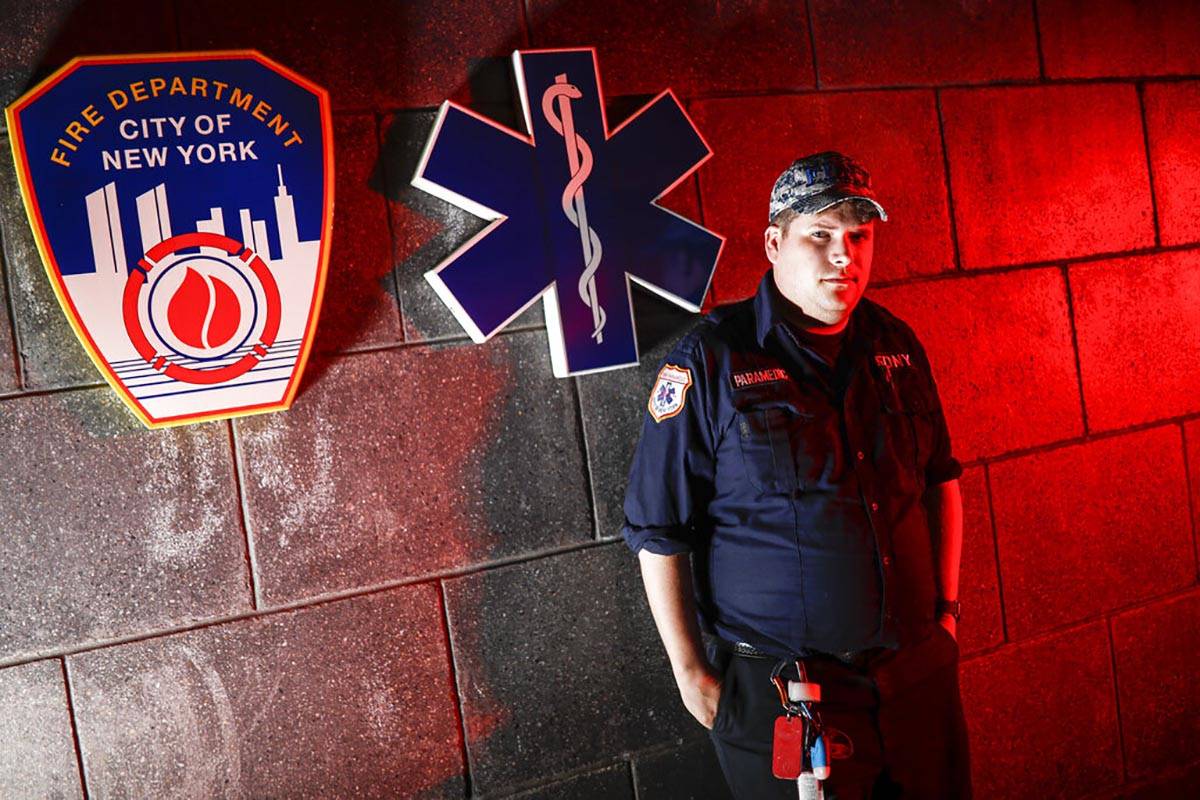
409,584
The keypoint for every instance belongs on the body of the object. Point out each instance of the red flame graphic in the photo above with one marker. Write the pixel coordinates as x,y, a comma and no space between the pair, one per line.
204,313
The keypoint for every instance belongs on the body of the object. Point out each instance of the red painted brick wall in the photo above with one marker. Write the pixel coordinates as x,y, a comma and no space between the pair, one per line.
409,584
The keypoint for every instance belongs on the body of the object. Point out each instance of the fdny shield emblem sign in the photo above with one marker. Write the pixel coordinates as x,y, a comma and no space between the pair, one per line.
574,217
182,204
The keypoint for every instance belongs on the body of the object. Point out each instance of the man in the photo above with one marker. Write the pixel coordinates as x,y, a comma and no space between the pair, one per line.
795,448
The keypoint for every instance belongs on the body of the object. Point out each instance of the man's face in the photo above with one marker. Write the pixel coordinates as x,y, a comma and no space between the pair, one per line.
823,262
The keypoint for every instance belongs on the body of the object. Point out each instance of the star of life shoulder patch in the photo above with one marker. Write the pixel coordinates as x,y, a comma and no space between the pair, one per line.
670,391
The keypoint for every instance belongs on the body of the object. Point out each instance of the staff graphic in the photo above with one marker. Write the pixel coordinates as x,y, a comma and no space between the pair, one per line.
579,160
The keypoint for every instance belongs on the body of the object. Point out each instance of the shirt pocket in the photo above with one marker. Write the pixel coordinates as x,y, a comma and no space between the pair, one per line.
909,420
766,433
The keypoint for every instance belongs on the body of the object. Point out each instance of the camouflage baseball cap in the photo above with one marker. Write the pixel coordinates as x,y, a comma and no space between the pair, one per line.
816,182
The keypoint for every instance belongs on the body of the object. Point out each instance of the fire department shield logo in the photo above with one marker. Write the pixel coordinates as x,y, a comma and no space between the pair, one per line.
182,204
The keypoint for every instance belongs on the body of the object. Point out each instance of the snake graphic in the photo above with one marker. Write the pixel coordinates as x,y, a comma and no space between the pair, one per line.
579,159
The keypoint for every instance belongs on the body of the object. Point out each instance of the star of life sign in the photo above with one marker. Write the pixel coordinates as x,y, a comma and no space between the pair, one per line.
573,211
182,204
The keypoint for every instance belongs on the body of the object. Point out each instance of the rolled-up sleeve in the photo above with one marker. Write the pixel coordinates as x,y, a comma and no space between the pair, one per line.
670,480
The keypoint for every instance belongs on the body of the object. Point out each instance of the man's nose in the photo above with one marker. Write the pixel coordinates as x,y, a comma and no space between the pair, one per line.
838,255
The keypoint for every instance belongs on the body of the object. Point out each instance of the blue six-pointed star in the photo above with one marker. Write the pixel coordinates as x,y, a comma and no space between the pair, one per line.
573,209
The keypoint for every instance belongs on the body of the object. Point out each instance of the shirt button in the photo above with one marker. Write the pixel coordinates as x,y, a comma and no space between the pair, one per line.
887,561
874,506
860,455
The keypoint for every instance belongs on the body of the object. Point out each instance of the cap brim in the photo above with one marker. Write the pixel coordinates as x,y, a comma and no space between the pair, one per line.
832,198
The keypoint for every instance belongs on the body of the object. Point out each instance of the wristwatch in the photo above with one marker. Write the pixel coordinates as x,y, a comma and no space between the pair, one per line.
950,607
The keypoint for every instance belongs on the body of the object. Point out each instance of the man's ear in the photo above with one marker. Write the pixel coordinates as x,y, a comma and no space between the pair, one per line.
771,239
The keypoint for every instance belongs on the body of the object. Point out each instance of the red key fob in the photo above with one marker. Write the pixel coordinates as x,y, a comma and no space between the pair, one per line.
788,753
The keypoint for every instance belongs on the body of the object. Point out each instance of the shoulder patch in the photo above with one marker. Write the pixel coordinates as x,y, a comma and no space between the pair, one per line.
670,391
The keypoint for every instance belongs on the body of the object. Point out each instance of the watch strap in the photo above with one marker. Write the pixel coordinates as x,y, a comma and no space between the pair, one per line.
951,607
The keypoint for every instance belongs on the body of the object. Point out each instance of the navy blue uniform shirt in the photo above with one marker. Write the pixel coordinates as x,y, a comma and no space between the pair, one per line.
797,487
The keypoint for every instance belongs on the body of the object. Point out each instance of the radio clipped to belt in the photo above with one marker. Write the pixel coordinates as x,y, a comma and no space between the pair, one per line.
800,750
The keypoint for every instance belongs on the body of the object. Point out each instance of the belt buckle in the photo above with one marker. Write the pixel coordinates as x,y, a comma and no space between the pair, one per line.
854,658
747,649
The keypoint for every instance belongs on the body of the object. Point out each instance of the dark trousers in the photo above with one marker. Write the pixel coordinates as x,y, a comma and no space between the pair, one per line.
901,711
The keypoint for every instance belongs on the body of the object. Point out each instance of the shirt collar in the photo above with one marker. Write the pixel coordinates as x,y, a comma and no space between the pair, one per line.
769,314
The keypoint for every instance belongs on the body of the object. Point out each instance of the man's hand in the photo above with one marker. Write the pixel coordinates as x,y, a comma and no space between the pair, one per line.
948,622
701,693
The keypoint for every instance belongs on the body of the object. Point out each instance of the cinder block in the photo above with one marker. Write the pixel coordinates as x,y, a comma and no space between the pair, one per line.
1047,172
38,756
425,231
923,42
610,783
894,135
345,699
644,48
38,38
982,624
49,353
110,529
614,405
1172,118
1042,719
360,306
1001,351
1175,784
1191,435
559,665
689,772
1082,39
21,44
1155,650
1089,528
368,55
1126,312
403,463
8,366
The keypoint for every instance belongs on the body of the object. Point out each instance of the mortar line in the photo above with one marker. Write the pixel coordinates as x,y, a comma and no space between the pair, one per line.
1187,477
1046,447
239,481
66,676
812,43
937,100
1088,258
6,284
987,487
1066,275
526,788
1141,96
1007,83
308,602
388,187
1037,40
588,477
1112,655
744,94
527,23
1065,628
459,713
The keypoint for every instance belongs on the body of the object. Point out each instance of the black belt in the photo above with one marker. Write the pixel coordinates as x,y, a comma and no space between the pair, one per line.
853,658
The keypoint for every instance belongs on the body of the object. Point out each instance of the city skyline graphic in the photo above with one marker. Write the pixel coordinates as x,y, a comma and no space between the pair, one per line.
97,295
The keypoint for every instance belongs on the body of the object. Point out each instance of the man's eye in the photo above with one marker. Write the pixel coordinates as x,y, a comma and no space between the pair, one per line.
820,235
